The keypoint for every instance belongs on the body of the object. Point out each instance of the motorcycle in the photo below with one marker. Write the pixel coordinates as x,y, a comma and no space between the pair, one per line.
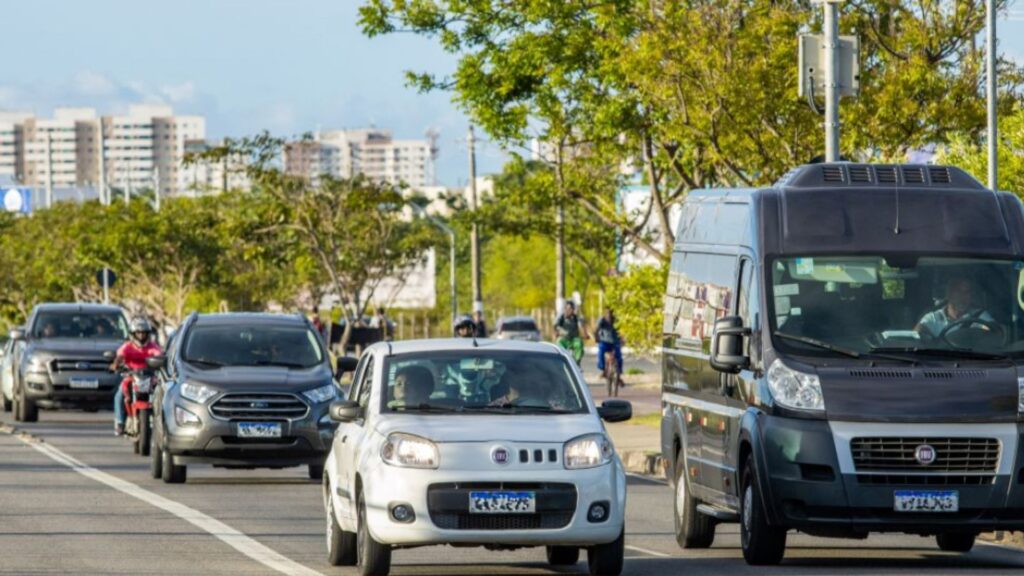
138,386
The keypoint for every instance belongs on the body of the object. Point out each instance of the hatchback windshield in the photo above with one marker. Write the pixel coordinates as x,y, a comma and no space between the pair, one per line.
498,382
921,307
80,325
288,346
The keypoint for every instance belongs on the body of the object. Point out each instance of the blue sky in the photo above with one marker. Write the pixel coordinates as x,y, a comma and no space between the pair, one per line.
288,66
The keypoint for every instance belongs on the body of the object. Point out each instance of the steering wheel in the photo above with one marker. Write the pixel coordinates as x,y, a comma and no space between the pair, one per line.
995,328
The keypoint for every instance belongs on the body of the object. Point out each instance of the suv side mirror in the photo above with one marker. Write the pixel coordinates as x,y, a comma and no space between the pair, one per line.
727,345
345,411
156,362
615,410
17,334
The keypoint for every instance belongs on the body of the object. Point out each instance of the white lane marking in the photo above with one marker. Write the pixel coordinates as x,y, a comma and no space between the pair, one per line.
648,552
222,531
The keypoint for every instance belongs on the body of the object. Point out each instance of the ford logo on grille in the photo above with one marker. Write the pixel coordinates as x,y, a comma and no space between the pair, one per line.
925,454
83,366
500,455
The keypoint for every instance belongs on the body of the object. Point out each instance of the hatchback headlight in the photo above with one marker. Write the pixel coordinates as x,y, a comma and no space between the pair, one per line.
197,392
795,389
321,394
587,451
409,451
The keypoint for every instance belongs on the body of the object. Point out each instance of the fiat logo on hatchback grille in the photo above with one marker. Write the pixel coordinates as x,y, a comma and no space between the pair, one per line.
500,455
925,454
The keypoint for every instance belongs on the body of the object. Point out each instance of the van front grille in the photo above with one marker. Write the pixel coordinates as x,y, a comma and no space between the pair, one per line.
951,455
259,407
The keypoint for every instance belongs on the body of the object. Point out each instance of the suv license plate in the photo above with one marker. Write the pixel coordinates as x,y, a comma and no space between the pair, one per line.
259,429
502,502
926,501
84,383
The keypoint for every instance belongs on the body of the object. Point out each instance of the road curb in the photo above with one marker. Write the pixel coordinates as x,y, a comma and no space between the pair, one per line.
643,462
1004,538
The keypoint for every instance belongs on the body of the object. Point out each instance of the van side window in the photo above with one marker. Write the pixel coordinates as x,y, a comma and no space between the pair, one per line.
700,292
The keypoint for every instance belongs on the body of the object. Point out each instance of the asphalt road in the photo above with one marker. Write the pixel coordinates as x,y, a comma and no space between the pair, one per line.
89,507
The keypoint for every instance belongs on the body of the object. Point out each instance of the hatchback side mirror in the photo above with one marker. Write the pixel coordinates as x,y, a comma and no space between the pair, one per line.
615,410
345,411
156,362
727,345
17,334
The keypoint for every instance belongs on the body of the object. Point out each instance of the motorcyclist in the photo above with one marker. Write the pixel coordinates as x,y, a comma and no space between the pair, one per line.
132,354
571,331
463,326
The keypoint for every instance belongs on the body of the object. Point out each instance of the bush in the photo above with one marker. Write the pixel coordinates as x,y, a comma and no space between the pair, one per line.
636,298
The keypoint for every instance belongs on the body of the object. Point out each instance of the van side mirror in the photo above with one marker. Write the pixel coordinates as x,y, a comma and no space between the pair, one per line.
727,345
613,410
156,362
345,411
17,334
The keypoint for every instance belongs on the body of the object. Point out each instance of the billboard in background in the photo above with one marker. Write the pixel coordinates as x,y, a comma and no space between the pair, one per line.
17,199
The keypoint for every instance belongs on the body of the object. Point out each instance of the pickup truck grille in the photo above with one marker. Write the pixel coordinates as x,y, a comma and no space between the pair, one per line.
259,407
951,455
98,365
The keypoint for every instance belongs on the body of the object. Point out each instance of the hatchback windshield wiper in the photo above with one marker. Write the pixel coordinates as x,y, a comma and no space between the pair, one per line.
944,352
426,408
520,408
839,349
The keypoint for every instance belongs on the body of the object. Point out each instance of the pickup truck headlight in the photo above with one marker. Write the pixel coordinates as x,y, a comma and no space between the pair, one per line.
37,365
587,451
409,451
195,392
795,389
321,394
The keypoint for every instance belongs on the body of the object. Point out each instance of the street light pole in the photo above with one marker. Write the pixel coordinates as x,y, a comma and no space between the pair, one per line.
993,125
831,26
478,301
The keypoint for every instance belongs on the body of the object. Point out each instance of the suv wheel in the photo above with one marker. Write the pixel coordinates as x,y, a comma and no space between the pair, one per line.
373,558
955,542
607,559
172,473
156,455
341,545
693,529
762,543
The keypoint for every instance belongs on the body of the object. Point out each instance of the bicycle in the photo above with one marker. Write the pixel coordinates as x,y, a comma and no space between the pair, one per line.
611,373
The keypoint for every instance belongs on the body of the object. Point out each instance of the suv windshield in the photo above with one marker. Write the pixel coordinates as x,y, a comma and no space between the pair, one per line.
498,382
922,307
252,345
80,325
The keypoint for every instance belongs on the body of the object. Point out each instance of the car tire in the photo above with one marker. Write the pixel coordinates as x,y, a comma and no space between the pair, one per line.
172,473
341,545
607,559
145,431
156,461
955,542
762,543
316,471
563,555
693,529
373,558
25,410
8,405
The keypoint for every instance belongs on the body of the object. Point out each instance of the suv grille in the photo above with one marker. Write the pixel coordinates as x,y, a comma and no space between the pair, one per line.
259,406
952,455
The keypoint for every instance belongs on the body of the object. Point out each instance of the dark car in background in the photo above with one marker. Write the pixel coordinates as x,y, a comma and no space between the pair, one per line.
243,390
58,359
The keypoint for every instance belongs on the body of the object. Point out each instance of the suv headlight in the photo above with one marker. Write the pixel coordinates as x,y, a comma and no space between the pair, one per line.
794,389
321,394
409,451
195,392
587,451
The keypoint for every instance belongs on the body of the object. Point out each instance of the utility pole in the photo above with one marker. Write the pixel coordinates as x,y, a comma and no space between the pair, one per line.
156,188
559,235
104,194
993,123
49,169
478,301
831,25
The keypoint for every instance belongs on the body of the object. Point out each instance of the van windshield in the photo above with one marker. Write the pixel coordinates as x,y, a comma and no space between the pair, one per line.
919,306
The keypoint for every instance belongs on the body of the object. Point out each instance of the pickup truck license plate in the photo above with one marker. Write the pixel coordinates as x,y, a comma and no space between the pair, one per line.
502,502
84,383
259,429
926,501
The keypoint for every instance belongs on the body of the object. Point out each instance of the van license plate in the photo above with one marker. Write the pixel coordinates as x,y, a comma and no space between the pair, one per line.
84,383
502,502
259,429
926,501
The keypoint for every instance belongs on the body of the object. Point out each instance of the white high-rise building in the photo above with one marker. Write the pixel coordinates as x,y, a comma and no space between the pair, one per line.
9,126
369,151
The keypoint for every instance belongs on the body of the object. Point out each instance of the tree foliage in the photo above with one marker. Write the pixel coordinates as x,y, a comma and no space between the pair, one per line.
636,298
971,154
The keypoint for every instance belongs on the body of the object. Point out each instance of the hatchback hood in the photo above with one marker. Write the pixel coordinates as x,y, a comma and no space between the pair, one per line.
275,378
491,427
65,346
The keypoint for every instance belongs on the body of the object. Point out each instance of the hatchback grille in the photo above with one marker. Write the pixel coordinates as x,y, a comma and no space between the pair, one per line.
448,506
541,521
259,406
971,455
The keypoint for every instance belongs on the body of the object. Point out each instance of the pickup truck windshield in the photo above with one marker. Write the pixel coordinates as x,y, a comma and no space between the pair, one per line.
928,308
101,325
482,382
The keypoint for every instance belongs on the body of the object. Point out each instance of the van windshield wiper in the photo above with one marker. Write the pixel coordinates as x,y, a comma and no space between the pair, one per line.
840,349
944,352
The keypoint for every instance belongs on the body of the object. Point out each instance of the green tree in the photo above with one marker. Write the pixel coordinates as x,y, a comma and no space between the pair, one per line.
971,154
636,298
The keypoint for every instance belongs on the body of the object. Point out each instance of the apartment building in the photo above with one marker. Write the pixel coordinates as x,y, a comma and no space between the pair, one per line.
211,177
371,152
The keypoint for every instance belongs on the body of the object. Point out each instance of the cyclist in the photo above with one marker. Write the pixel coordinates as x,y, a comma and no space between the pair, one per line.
608,340
572,330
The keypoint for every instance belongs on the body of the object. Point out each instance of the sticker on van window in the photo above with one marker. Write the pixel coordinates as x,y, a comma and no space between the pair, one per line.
782,305
795,311
805,266
787,290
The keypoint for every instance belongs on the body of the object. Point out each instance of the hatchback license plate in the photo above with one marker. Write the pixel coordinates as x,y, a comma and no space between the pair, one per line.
84,383
259,429
926,501
502,502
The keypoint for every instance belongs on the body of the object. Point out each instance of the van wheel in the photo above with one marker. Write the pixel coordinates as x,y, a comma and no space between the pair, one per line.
374,558
693,529
607,559
171,472
762,543
341,545
316,471
563,555
955,542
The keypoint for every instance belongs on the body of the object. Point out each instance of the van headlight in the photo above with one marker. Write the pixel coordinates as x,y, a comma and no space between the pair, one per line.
587,451
195,392
409,451
321,394
795,389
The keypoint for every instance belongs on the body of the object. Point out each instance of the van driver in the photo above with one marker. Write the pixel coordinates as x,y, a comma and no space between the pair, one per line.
958,308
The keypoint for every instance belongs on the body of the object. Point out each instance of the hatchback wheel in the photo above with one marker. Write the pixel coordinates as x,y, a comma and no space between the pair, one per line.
374,558
341,545
563,555
955,542
607,559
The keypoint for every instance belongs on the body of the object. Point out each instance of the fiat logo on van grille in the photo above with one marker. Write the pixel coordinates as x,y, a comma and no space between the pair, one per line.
925,454
500,455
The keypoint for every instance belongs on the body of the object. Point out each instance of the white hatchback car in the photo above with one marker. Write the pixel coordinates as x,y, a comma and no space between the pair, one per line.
488,443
